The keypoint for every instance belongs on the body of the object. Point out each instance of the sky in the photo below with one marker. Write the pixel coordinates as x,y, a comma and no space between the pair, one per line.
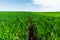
30,5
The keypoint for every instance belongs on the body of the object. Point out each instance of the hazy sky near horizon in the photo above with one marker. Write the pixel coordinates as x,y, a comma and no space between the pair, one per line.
29,5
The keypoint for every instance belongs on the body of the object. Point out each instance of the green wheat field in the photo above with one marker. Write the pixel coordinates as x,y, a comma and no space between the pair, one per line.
46,24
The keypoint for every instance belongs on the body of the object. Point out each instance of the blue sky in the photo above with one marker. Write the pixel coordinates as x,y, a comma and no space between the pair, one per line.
17,5
29,5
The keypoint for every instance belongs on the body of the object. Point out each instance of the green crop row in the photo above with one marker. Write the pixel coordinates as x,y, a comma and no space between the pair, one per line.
48,28
12,24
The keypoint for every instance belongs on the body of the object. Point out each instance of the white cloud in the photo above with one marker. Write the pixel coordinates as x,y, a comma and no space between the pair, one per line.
48,5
